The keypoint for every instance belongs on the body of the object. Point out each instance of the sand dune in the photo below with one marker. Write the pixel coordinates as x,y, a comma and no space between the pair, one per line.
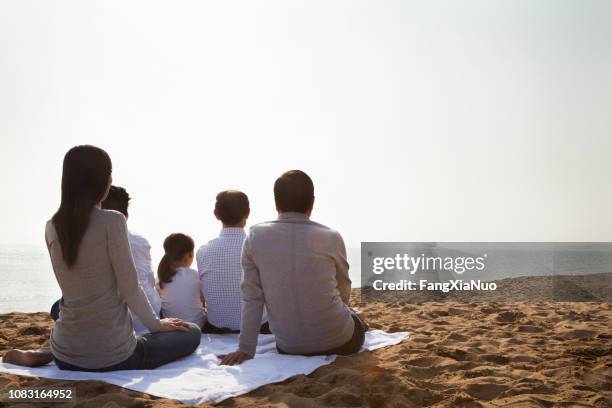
461,354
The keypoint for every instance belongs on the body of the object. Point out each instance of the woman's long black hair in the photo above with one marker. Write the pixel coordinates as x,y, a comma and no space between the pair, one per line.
175,247
85,180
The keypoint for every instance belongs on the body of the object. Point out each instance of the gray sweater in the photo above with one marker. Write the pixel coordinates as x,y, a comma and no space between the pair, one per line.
298,269
95,328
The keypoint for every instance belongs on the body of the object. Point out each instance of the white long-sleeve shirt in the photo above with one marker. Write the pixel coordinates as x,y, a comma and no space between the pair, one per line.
141,253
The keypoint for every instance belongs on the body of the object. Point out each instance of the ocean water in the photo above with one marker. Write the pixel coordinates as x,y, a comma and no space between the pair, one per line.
27,282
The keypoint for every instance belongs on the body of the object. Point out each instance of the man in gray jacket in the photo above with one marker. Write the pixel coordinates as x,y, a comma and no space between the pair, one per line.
297,268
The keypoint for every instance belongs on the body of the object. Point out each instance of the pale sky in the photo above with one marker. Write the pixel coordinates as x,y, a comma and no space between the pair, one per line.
417,120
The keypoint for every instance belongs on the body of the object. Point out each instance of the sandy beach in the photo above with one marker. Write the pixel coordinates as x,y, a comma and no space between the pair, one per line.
460,354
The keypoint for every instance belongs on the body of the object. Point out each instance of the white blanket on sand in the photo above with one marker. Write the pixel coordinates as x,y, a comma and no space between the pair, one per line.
199,378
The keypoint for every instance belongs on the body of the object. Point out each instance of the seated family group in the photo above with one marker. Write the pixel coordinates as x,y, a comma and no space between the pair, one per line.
287,277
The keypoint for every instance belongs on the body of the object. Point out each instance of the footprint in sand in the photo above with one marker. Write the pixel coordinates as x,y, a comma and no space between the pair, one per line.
485,391
495,358
526,328
427,361
455,354
457,337
509,316
576,334
33,331
342,398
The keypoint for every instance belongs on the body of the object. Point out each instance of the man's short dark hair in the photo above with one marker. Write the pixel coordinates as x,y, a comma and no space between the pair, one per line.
118,199
294,191
232,206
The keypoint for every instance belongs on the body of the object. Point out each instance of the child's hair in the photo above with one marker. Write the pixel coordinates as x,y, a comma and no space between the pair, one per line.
175,248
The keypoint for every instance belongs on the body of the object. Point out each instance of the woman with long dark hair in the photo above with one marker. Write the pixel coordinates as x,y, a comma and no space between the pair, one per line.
91,259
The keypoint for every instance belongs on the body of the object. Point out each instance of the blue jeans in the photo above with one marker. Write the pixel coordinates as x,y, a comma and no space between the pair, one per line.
152,350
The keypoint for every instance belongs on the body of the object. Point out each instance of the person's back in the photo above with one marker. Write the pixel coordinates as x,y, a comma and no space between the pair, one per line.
92,262
180,298
118,199
179,285
304,274
219,264
220,277
95,328
298,270
141,253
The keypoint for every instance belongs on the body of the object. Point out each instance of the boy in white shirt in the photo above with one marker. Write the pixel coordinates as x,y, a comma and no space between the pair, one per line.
118,199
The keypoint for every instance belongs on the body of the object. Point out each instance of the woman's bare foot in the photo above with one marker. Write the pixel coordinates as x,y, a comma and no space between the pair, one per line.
29,358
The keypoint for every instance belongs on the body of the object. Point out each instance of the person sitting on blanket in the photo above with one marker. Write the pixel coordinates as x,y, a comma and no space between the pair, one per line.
91,259
219,266
118,199
297,268
179,285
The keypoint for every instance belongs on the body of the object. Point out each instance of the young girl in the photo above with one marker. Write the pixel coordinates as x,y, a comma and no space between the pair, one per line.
179,285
